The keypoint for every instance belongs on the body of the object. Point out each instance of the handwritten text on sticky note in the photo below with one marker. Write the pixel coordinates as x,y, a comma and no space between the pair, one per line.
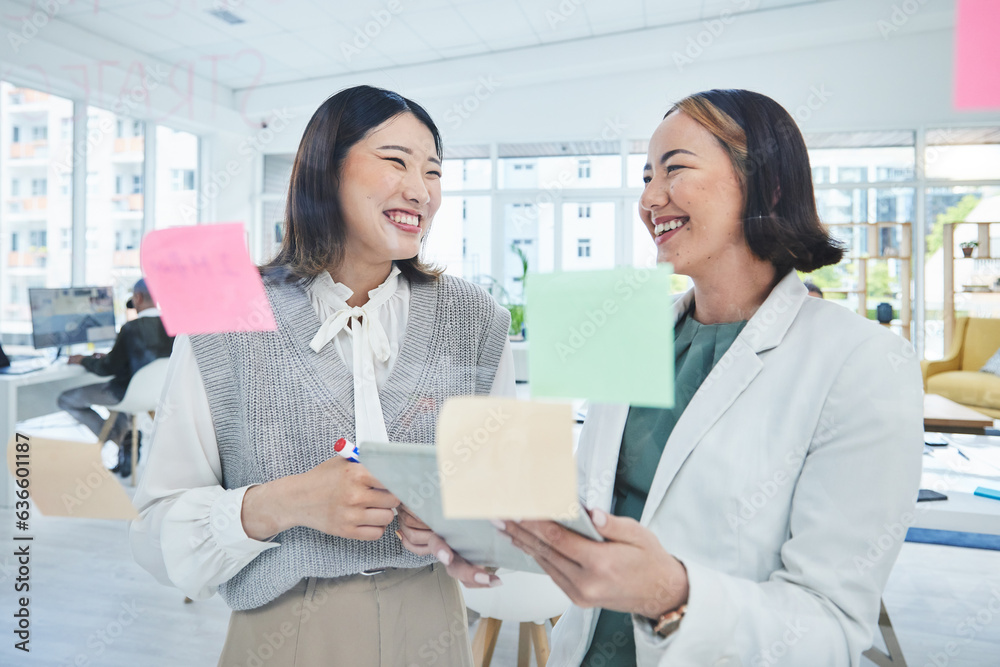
204,281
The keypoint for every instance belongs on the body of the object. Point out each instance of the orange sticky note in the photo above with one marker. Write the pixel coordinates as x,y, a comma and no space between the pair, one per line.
204,281
977,55
67,478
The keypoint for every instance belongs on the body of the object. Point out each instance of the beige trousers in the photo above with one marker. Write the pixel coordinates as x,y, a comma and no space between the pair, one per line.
397,618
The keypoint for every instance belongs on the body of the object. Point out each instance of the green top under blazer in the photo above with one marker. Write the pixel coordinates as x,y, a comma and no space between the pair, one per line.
697,348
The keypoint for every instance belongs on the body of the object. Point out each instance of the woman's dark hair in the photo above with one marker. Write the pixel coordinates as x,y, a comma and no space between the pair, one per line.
780,221
315,233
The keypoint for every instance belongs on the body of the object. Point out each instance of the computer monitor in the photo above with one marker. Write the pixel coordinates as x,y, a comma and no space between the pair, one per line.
64,316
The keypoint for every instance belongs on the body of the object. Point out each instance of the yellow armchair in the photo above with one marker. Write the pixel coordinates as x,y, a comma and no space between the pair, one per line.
957,376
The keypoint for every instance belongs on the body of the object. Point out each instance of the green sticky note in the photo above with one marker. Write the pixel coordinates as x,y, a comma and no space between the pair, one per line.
606,336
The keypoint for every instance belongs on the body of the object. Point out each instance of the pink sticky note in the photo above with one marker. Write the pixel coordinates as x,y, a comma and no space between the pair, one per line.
204,281
977,55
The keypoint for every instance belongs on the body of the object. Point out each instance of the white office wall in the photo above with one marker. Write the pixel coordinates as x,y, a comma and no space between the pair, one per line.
904,82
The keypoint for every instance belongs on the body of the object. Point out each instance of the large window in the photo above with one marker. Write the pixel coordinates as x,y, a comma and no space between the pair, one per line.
277,174
35,210
560,173
573,206
864,192
40,159
115,201
470,169
459,239
529,243
588,235
962,168
957,211
176,178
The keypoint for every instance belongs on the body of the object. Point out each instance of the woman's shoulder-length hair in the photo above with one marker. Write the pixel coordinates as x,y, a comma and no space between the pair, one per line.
315,234
780,221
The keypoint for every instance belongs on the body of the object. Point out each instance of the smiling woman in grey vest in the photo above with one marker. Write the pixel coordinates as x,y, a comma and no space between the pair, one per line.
243,494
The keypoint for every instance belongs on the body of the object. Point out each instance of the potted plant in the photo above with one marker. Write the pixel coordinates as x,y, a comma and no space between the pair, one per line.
517,310
500,293
967,247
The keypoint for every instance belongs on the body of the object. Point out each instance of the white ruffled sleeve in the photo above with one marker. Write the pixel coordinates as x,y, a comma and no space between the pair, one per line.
189,533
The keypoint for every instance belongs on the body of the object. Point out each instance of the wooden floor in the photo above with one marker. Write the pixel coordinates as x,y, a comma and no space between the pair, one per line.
91,605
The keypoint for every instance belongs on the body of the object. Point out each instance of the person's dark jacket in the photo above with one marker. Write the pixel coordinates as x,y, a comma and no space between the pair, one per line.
139,342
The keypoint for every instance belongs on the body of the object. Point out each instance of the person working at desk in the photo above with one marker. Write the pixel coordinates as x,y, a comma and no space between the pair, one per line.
139,342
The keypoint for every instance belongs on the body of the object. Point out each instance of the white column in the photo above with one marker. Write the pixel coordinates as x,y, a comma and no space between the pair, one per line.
149,178
79,194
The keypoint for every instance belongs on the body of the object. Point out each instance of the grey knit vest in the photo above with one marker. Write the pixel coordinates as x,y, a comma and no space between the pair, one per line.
278,407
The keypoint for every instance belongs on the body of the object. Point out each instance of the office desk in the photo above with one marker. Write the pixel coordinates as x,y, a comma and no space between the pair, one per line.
962,512
942,415
33,395
947,471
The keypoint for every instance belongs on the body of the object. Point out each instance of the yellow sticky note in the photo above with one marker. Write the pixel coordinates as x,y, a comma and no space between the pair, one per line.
66,478
500,458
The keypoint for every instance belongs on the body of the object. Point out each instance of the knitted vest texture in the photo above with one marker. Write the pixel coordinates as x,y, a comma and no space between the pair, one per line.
278,407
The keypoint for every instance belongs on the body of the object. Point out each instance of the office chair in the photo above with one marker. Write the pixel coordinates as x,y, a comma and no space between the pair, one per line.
526,598
141,395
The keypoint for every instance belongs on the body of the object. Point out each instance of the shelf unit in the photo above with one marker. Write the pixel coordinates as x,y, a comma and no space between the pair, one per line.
877,252
983,252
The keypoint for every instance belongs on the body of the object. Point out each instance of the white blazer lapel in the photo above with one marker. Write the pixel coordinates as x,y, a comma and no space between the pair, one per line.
730,377
737,368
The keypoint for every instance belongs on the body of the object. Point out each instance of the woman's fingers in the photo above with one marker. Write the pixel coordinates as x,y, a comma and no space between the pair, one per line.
419,548
362,475
374,517
414,533
419,537
380,498
558,553
416,540
365,533
471,576
410,520
547,540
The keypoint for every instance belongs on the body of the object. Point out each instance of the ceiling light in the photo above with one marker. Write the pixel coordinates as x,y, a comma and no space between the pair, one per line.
226,15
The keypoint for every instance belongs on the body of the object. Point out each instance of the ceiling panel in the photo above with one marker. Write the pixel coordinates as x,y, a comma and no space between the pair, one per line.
268,15
442,28
368,58
324,69
398,42
308,36
499,26
358,14
186,27
289,50
557,21
606,17
673,12
256,25
79,7
126,32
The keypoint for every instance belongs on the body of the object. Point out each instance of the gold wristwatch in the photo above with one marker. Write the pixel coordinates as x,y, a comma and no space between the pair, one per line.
669,621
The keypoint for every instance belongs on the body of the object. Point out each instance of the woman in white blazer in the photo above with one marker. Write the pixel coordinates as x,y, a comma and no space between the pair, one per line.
770,521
